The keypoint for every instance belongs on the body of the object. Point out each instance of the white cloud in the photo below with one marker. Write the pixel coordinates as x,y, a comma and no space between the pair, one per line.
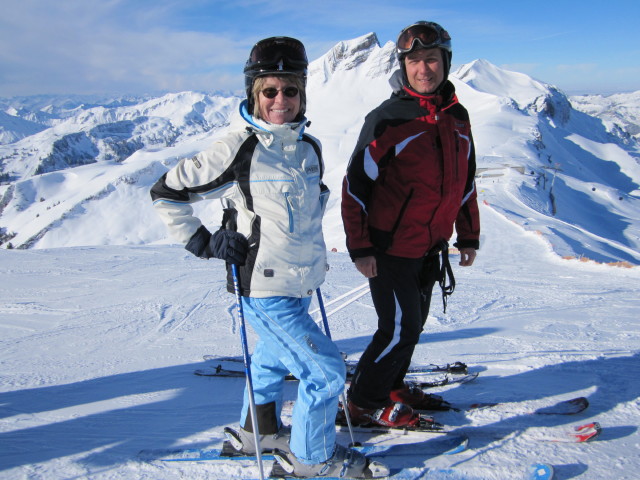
577,68
528,68
147,46
93,48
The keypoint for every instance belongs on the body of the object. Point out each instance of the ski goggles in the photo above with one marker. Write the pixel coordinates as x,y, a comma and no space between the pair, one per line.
425,34
284,51
272,92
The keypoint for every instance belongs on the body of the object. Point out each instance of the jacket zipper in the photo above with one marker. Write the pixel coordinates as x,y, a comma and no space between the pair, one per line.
289,210
457,155
401,213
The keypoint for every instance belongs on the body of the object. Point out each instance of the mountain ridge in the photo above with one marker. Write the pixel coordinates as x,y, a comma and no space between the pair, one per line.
543,163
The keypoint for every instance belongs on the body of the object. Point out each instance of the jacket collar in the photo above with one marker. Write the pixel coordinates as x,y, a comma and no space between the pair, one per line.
268,132
443,99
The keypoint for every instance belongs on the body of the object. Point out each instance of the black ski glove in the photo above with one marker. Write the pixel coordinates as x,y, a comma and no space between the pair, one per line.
230,246
198,244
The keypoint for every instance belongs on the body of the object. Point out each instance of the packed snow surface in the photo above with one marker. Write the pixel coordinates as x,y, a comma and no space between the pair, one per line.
99,345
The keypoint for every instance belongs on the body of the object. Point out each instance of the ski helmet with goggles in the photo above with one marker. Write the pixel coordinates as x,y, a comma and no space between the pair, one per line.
274,56
424,35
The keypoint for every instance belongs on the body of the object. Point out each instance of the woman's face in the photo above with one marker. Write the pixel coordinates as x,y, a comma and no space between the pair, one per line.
282,108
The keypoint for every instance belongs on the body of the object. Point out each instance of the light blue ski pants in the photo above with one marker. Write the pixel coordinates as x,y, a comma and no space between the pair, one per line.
290,341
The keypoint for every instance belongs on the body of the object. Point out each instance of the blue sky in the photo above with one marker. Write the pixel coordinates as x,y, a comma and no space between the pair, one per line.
152,46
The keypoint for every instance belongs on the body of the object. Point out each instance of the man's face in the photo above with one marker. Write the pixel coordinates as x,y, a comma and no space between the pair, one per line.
425,69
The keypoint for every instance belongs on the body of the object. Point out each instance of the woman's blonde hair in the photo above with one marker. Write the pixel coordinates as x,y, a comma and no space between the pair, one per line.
295,80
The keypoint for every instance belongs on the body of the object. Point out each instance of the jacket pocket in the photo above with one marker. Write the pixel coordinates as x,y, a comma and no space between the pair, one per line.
324,197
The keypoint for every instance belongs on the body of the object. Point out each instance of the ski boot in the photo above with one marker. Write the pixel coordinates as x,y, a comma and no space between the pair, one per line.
343,463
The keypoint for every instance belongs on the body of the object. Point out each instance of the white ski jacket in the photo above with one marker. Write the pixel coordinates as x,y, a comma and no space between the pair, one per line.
271,175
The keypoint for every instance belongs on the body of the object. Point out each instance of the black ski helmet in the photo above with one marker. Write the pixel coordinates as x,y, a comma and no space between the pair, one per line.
275,56
424,34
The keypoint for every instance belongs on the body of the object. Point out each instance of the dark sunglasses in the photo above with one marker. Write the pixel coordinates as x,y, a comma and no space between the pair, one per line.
272,92
427,35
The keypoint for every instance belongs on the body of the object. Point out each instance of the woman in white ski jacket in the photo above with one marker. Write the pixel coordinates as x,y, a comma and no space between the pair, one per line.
269,174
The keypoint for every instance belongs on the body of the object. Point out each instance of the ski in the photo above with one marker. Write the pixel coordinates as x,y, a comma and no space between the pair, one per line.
566,407
576,434
536,471
429,425
426,376
437,381
219,371
446,445
572,434
423,380
455,367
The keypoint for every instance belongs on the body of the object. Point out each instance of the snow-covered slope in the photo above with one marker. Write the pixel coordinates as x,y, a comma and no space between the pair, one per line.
84,178
13,128
99,345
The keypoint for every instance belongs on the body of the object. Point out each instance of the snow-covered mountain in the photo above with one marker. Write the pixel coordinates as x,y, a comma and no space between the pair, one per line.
620,112
77,171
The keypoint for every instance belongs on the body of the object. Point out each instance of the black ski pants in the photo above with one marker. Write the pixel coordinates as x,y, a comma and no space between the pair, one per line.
401,294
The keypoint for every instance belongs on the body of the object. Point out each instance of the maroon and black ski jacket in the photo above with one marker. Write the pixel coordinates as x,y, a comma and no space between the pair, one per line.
411,177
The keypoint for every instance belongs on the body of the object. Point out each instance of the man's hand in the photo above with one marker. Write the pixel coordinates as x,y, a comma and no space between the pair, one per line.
367,266
467,256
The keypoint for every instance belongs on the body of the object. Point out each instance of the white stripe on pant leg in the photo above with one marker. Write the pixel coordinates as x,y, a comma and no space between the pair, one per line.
397,325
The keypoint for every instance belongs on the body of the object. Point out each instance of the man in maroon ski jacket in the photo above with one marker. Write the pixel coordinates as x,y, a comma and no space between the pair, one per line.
410,180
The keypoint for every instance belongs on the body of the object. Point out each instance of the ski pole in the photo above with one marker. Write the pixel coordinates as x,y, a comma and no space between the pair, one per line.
325,322
350,292
247,368
343,396
348,302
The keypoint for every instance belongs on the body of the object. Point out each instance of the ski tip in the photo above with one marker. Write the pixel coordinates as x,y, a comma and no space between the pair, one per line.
540,471
461,444
587,432
376,469
580,403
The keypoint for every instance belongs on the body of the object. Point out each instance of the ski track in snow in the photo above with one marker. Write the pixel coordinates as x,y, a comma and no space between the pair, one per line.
99,345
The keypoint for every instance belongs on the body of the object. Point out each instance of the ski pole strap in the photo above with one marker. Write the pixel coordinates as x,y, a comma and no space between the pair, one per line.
446,274
229,215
